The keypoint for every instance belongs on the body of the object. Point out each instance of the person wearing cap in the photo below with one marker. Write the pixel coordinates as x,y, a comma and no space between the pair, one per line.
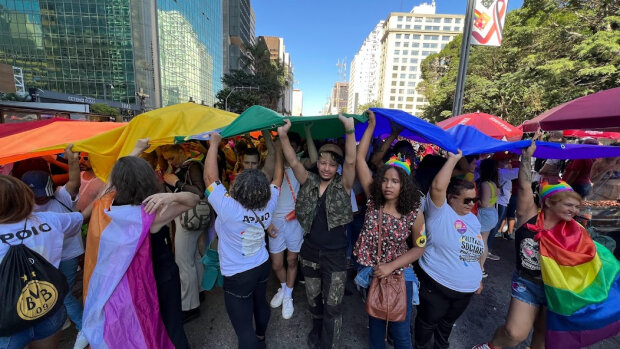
62,200
323,209
528,304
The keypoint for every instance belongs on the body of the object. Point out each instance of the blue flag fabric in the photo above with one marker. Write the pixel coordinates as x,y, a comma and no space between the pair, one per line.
472,141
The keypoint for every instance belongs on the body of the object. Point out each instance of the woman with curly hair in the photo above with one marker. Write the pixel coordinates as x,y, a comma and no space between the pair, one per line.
393,203
242,217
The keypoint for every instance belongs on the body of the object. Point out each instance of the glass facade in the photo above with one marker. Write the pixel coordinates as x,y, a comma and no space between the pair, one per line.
71,46
190,50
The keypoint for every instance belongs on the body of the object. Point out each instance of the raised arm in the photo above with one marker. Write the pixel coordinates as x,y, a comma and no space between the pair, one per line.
526,207
289,153
377,158
73,159
363,171
278,172
348,168
270,161
439,187
168,206
313,155
211,174
141,145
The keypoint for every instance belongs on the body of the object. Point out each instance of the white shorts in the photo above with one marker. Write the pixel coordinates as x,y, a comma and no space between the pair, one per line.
290,236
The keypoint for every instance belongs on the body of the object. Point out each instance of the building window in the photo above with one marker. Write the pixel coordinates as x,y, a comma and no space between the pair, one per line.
404,60
416,37
407,26
398,36
415,53
410,91
394,75
426,53
401,98
400,106
392,105
412,68
395,67
403,68
431,37
399,26
413,60
396,60
393,90
428,27
408,19
456,29
409,99
397,44
445,38
411,76
400,18
397,52
401,90
393,83
447,20
407,36
405,44
418,20
417,27
402,83
392,98
446,28
415,44
420,99
457,21
403,76
442,46
405,52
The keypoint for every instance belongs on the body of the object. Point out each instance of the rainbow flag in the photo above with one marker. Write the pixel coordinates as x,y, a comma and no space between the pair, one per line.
121,308
582,286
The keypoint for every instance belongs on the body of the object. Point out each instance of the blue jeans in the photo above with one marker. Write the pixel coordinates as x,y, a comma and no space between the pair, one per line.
41,330
74,307
400,332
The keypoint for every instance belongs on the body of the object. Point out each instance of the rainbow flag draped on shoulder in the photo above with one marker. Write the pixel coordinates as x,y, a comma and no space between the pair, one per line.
582,286
121,308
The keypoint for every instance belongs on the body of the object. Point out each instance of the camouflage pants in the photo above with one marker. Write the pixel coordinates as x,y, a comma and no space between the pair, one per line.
325,276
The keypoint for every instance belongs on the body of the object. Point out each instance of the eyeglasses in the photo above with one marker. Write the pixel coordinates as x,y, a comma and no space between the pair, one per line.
468,201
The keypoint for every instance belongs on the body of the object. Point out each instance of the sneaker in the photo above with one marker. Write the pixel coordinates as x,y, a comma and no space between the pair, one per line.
484,274
287,308
66,325
277,299
482,346
493,257
80,342
511,236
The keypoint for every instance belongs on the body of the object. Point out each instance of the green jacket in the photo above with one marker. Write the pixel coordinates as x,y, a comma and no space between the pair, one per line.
337,202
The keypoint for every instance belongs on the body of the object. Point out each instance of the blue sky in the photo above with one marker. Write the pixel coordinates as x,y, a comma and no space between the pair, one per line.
317,33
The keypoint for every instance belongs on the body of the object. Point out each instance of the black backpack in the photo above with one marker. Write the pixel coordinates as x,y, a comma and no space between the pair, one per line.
32,289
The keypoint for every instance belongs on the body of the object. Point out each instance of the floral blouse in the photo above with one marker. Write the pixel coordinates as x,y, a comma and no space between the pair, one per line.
395,233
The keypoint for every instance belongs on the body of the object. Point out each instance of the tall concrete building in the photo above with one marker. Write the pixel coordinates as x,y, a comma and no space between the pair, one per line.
278,53
171,50
339,96
408,38
298,102
239,23
364,73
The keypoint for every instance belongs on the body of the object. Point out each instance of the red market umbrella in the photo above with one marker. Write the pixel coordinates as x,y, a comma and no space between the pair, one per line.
599,110
593,134
488,124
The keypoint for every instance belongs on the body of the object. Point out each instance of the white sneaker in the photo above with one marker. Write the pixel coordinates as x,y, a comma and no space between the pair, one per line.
277,299
287,308
80,342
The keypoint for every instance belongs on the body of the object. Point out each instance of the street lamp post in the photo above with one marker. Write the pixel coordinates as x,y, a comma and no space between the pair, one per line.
105,89
233,89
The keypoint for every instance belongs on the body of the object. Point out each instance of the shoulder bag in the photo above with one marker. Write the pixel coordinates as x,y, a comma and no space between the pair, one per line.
387,297
199,217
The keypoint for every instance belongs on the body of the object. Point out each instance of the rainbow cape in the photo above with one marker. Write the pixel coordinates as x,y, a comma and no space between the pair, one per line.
121,308
582,286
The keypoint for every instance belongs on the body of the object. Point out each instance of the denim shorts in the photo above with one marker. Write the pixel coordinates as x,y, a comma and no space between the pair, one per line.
528,291
41,330
487,216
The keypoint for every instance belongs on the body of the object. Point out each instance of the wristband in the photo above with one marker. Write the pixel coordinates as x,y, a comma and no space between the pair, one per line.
349,131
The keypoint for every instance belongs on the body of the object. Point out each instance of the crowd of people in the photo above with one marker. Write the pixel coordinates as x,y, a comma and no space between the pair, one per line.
403,211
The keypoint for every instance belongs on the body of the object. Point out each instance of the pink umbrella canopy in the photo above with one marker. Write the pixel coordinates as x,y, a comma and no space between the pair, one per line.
488,124
599,111
593,134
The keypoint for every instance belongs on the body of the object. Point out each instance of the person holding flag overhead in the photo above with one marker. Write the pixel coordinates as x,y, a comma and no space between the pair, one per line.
566,286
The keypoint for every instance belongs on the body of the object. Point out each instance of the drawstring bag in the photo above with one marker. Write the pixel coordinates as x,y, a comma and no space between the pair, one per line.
31,288
212,275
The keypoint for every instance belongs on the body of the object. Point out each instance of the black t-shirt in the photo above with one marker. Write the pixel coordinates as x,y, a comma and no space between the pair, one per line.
527,251
320,237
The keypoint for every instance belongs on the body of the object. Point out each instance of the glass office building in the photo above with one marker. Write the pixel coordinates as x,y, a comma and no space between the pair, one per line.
190,50
71,46
170,49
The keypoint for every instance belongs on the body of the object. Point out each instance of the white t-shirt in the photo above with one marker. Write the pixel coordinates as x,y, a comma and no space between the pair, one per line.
73,245
285,201
241,237
44,233
453,248
506,175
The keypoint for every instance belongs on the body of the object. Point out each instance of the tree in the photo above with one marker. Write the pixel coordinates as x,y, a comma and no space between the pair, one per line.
270,76
553,51
372,104
104,109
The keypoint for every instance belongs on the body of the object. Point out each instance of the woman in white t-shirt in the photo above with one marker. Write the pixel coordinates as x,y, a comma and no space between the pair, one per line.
242,216
450,267
44,233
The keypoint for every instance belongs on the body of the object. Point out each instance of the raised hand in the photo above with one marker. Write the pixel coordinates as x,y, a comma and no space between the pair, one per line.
70,155
215,139
372,118
349,123
283,130
456,156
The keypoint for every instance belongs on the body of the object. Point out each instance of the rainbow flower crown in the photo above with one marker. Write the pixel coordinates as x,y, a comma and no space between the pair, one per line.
403,163
547,189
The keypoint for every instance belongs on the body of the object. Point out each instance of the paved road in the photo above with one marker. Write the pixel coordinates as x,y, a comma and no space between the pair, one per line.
477,324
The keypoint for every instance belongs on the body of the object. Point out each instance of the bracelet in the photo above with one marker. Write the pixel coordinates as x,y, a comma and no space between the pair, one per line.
349,131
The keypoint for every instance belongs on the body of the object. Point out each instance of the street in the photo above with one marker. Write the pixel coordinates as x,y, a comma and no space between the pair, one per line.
487,311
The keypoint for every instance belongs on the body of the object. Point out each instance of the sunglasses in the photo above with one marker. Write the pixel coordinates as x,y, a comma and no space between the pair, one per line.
468,201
